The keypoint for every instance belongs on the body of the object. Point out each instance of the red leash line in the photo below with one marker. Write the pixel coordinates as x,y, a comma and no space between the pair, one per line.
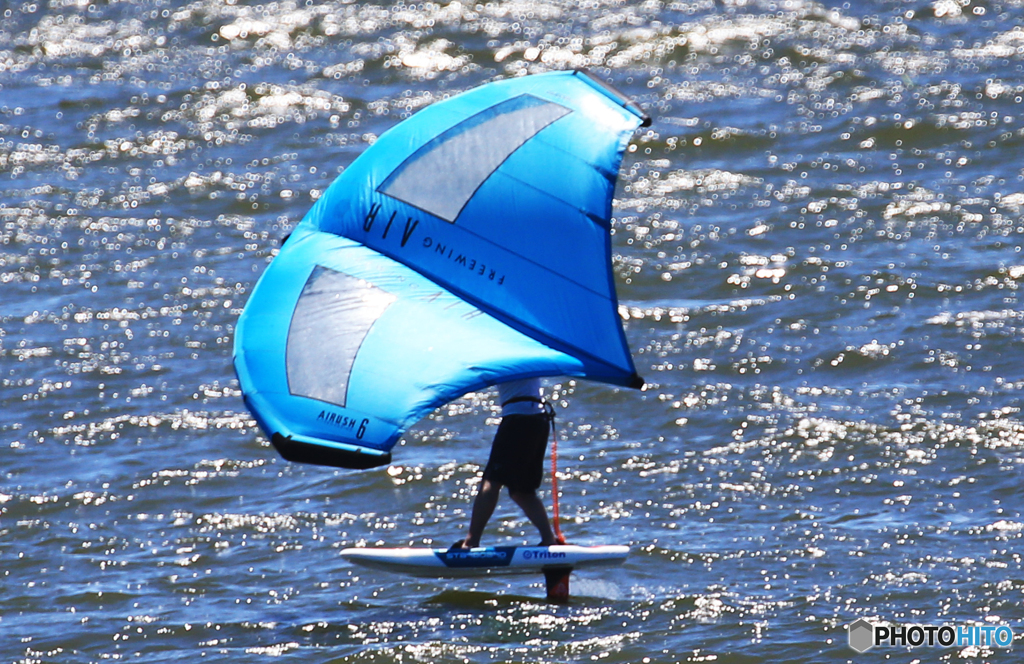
554,483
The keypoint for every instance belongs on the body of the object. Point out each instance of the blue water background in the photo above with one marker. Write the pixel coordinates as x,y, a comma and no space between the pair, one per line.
818,254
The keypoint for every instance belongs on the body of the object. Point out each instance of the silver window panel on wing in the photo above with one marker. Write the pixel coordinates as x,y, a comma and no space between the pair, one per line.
443,175
331,319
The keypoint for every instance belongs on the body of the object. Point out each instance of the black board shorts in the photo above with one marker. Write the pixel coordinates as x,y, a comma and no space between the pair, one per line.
517,453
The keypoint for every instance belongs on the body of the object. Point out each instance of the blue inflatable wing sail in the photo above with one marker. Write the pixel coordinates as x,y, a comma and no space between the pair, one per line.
468,246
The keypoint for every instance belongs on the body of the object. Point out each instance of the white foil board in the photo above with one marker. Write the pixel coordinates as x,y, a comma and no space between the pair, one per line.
440,563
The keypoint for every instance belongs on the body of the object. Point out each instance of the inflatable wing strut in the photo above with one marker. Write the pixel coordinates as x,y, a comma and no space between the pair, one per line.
468,246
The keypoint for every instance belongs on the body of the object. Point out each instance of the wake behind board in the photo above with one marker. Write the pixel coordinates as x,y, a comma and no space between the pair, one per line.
441,563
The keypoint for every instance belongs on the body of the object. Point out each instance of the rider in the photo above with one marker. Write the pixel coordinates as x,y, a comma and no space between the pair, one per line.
516,461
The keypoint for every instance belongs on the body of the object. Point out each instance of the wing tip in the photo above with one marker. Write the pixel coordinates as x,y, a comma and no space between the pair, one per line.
299,451
637,382
610,90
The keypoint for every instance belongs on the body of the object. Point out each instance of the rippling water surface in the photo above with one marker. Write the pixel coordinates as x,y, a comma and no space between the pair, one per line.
818,254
